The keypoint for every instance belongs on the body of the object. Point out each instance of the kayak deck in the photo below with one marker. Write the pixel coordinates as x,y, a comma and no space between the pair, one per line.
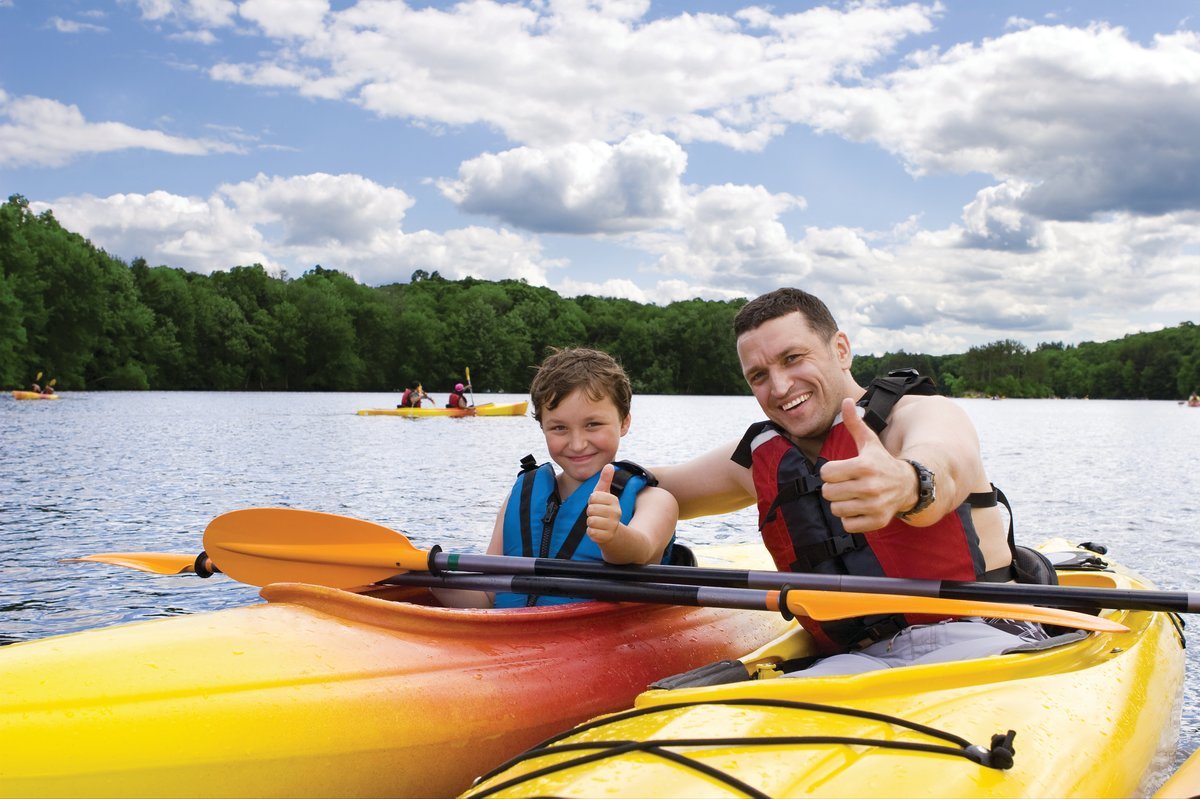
1096,717
489,409
322,692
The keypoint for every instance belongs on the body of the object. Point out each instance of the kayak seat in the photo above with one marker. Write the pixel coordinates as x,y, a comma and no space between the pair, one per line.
722,672
681,555
1032,567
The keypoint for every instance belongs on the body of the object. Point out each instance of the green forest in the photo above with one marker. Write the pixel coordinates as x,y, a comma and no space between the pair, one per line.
94,322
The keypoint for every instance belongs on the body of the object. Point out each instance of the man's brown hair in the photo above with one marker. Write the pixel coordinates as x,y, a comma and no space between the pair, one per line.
782,302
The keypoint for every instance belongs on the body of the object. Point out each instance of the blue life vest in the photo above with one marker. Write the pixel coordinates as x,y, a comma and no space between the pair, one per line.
540,524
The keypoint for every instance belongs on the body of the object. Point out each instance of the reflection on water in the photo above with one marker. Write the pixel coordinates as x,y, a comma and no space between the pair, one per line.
147,471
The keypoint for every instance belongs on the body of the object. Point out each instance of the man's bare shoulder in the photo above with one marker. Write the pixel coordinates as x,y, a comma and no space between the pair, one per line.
925,416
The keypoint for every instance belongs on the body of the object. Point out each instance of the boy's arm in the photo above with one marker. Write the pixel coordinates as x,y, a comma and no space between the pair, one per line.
648,532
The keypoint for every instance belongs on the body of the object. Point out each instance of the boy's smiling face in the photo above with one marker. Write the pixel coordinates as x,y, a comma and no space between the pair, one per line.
582,434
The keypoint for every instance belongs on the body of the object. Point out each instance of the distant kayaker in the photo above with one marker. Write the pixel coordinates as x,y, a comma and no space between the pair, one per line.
595,508
412,396
899,493
457,398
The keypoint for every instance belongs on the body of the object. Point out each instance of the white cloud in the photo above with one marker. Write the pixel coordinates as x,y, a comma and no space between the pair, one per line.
285,19
550,73
73,26
584,187
205,13
343,222
731,237
1087,280
1090,120
44,132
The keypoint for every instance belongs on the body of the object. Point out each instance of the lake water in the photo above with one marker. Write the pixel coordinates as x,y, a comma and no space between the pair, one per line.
147,471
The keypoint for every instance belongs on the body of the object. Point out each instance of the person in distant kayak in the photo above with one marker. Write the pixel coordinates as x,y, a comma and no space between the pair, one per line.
412,396
886,480
457,399
596,508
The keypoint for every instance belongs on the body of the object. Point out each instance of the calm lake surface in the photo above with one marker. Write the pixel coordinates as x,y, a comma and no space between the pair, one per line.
147,471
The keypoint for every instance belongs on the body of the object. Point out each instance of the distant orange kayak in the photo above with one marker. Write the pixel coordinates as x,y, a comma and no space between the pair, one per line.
32,395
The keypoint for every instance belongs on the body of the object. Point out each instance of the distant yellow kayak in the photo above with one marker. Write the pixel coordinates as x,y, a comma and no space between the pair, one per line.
32,395
490,409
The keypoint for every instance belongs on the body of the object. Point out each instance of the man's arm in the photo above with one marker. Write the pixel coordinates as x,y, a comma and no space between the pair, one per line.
709,484
867,491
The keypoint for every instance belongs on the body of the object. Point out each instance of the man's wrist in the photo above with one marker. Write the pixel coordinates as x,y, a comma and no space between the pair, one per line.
926,490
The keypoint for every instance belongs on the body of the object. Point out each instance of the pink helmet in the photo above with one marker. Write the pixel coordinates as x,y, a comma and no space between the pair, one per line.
458,386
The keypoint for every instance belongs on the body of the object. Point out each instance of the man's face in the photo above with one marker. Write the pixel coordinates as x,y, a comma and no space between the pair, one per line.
797,376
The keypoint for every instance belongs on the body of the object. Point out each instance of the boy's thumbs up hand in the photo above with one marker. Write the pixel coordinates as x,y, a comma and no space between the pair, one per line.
604,509
866,491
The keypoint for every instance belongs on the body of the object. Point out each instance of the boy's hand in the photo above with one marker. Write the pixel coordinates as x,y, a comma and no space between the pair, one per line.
604,509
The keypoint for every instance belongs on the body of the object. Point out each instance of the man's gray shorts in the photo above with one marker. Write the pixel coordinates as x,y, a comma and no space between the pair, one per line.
959,639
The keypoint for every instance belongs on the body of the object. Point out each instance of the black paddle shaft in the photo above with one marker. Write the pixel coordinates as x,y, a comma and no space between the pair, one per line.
1062,596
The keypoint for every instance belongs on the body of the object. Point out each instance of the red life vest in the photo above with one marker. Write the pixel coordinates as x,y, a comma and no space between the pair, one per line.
802,534
454,400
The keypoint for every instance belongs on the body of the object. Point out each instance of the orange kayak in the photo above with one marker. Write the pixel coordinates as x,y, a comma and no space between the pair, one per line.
324,692
32,395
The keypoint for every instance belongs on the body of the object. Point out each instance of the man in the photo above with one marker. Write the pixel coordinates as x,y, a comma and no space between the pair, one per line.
910,498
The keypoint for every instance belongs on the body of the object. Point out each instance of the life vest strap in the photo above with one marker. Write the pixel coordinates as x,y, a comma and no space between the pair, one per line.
810,555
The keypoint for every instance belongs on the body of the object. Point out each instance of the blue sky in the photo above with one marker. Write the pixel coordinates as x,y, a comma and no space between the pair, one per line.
942,174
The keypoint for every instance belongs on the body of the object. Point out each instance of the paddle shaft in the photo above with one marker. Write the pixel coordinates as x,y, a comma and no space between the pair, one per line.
1070,596
821,605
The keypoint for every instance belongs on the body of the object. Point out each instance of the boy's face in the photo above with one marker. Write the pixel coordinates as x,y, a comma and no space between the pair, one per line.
583,434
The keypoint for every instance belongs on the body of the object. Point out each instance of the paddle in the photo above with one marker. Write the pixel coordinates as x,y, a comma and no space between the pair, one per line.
383,551
272,543
470,388
820,605
154,562
266,545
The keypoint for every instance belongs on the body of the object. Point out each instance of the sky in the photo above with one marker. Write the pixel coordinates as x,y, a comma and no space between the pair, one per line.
942,174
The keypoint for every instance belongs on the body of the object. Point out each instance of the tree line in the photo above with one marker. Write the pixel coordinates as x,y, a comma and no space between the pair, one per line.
94,322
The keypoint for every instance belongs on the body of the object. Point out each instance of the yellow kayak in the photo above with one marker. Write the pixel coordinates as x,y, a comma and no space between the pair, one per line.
1184,783
32,395
490,409
329,693
1096,716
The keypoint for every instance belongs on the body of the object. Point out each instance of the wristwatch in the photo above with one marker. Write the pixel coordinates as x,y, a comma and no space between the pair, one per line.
926,490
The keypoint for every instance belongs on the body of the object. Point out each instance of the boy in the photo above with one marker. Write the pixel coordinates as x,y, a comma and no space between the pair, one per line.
581,399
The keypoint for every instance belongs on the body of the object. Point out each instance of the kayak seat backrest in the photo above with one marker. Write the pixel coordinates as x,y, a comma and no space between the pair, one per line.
722,672
1033,568
682,556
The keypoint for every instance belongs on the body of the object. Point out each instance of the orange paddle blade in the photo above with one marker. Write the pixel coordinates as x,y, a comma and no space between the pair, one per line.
260,546
826,606
153,562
